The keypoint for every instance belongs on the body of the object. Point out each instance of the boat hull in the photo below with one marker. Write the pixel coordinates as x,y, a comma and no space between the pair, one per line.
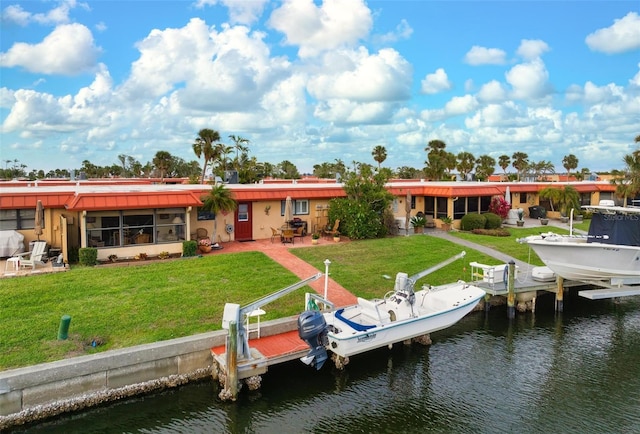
577,260
453,304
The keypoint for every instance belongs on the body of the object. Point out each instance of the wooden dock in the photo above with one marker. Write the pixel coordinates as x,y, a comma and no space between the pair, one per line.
276,348
265,351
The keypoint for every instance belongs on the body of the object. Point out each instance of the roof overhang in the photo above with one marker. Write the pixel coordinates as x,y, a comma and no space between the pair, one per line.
132,200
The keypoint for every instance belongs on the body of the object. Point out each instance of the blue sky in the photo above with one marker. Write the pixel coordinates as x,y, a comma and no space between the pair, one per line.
315,81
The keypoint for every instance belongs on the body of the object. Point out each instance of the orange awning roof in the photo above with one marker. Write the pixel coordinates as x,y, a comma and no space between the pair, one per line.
433,189
21,201
132,200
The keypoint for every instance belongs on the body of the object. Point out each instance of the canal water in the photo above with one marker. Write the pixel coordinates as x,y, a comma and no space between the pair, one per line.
575,372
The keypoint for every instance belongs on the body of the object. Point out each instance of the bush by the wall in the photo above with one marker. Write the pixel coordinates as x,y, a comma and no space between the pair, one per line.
189,248
470,222
493,221
73,255
88,256
501,232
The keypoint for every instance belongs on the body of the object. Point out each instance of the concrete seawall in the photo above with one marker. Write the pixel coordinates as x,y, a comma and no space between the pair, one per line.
37,392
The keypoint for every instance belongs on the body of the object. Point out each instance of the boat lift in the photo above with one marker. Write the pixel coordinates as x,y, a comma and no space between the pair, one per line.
233,313
240,362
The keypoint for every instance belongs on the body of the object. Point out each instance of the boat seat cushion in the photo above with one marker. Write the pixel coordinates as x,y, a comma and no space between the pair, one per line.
371,311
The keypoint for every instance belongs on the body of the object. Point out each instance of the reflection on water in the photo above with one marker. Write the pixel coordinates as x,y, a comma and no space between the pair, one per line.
578,372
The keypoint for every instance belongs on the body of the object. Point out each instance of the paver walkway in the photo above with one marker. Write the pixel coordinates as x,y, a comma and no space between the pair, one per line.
280,253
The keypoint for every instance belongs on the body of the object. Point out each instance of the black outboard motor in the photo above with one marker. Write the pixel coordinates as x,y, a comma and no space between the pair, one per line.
312,328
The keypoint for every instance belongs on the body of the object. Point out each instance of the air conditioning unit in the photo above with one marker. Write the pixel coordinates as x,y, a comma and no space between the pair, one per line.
231,176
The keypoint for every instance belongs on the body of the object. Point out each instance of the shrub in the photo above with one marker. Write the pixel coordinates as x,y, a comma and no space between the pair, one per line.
357,220
499,206
73,255
493,221
470,222
88,256
418,221
189,248
492,232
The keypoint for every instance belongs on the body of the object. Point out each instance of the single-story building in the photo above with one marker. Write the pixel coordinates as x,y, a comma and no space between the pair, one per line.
133,216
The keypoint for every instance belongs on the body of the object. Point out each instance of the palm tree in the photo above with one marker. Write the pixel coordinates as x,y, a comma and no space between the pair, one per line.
570,162
465,163
564,198
379,154
239,146
162,162
520,162
485,166
220,154
203,146
503,162
628,183
219,199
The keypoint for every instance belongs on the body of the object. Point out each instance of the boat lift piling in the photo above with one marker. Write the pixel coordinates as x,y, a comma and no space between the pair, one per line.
559,293
511,292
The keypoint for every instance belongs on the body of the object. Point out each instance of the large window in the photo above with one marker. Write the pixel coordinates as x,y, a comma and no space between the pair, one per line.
441,205
459,208
15,219
300,207
122,228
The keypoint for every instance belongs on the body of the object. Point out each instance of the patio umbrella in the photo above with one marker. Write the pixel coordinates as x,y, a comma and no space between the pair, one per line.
39,217
507,195
407,208
288,210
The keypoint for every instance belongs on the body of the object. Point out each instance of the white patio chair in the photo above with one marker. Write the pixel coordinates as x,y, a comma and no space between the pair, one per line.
34,257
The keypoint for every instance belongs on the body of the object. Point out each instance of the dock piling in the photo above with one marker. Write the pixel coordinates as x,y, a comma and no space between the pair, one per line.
231,384
511,292
559,294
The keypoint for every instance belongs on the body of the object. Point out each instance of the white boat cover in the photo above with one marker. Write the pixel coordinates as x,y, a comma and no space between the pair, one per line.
543,274
11,243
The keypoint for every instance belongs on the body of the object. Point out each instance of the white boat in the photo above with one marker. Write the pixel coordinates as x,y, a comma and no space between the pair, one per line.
610,252
401,315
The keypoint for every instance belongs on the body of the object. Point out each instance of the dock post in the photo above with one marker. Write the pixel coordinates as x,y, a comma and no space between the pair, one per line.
487,302
511,292
559,294
232,362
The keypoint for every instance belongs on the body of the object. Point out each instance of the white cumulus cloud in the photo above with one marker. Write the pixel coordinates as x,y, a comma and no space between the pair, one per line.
485,56
334,24
532,49
68,50
622,36
436,82
529,80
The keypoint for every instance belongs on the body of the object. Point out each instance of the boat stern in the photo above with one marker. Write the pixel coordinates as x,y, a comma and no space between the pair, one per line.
312,328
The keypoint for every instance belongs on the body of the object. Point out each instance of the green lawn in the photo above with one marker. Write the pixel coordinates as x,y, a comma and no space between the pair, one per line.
130,305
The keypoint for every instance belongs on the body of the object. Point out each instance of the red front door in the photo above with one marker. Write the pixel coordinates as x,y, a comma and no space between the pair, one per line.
243,223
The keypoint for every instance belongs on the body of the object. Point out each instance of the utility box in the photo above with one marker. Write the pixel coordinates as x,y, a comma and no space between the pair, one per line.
536,212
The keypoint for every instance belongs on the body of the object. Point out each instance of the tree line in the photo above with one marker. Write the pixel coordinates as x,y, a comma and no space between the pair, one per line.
217,158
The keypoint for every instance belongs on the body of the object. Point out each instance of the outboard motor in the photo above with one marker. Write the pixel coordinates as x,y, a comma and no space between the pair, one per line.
312,328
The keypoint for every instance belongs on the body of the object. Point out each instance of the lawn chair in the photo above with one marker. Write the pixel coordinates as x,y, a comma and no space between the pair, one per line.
287,236
202,234
34,257
299,233
275,233
430,222
331,232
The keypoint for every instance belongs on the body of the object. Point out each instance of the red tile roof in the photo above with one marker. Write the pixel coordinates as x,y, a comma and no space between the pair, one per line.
132,200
